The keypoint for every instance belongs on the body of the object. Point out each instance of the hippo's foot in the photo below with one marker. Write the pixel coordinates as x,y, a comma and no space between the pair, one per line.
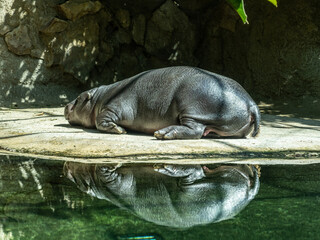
178,170
189,173
110,127
179,132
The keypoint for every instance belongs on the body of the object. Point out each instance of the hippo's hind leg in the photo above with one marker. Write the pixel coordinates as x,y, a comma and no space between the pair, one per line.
189,129
106,122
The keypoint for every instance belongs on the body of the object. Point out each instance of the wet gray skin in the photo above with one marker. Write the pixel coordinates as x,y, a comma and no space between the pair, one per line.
178,196
171,103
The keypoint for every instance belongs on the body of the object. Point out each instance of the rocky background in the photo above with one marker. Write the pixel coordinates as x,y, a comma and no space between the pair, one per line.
51,50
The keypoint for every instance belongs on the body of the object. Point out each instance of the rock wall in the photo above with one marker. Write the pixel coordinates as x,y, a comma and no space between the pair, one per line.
51,49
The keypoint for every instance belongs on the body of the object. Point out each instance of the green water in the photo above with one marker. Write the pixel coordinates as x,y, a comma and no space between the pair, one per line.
37,201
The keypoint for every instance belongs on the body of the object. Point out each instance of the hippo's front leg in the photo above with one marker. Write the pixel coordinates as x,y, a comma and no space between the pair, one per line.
106,122
189,129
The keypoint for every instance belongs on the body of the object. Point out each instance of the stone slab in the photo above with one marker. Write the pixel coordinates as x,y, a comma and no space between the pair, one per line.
43,132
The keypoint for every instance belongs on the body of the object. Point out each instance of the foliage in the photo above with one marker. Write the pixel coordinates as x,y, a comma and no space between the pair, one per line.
238,5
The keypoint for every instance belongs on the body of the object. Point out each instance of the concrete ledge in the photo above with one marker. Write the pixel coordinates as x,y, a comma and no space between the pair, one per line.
43,132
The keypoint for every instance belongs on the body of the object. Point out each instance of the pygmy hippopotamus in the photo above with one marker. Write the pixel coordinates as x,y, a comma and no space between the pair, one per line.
179,196
173,103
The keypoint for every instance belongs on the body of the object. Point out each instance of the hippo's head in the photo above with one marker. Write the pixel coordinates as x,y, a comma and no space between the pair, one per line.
81,110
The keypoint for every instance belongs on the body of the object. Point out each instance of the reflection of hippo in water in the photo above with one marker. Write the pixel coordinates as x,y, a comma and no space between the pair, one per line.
172,103
171,195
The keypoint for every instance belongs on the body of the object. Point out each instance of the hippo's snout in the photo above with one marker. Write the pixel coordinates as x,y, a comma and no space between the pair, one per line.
67,110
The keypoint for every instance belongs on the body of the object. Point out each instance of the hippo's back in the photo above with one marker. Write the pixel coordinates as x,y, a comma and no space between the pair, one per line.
163,97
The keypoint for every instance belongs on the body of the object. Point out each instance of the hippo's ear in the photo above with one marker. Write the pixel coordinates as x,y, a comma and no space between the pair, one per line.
88,95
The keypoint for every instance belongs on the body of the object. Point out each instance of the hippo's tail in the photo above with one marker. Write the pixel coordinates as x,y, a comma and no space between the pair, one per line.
255,184
255,119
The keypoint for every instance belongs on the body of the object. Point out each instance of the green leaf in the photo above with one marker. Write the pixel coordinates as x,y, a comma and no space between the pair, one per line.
274,2
238,5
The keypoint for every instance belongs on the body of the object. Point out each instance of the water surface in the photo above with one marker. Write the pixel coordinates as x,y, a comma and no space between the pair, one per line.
53,200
